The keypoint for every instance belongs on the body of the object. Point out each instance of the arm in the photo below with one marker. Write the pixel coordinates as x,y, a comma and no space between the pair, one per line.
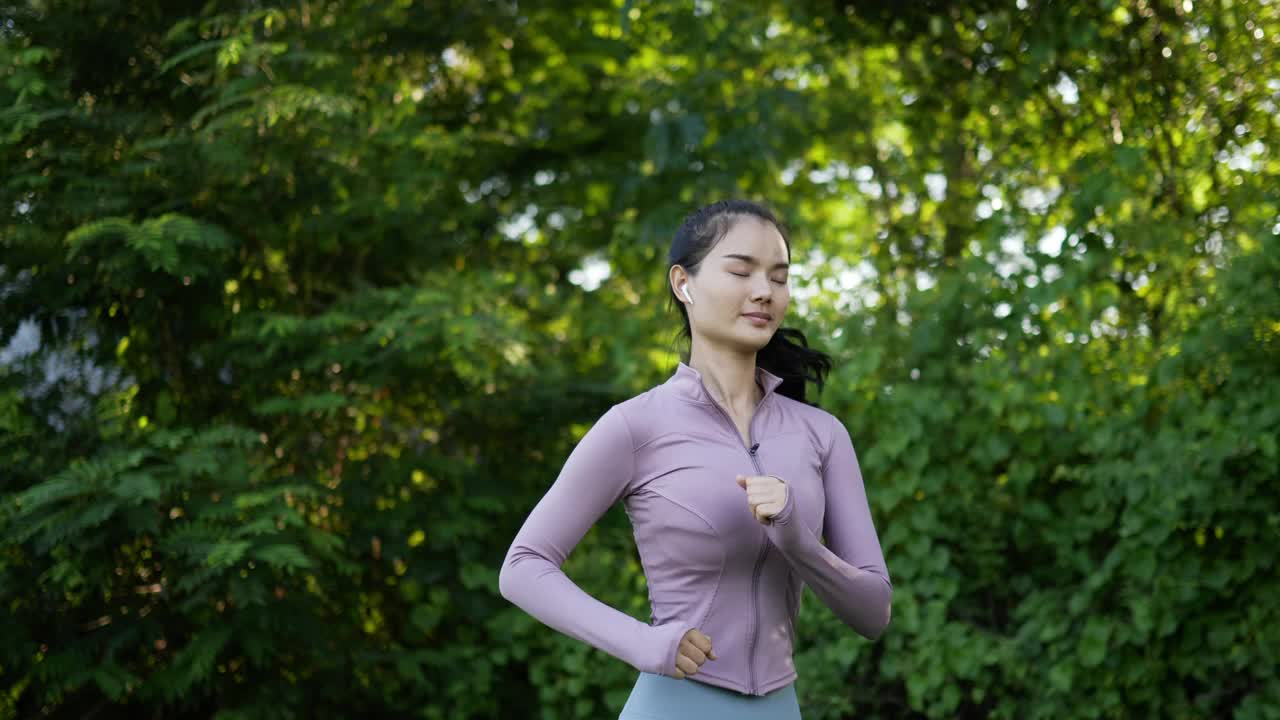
593,478
848,573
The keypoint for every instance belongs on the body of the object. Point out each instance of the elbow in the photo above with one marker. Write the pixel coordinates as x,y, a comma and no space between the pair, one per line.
507,583
504,581
882,624
876,627
887,613
517,572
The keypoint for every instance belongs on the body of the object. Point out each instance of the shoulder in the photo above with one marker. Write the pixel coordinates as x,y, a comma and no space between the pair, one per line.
644,413
826,431
801,415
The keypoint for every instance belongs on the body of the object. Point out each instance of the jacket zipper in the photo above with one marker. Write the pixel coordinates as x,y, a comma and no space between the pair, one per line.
755,579
764,550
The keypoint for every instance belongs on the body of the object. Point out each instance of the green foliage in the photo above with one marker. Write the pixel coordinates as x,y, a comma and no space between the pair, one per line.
313,340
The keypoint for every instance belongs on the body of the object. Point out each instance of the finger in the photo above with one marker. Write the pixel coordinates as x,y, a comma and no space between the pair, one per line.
702,642
694,653
685,664
711,653
769,498
679,674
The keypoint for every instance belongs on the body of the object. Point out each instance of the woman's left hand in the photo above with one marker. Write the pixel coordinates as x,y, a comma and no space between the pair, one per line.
766,495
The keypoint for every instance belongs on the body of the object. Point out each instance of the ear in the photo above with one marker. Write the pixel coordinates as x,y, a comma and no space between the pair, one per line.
678,277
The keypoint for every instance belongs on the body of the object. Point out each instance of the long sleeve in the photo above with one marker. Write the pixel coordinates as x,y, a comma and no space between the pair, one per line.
594,477
848,573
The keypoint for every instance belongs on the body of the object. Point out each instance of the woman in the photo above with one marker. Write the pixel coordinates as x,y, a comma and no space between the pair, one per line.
729,478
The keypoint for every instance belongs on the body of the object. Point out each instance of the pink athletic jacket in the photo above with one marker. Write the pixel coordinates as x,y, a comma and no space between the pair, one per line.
671,455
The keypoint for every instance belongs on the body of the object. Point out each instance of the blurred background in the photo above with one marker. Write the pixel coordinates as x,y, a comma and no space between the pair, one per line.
304,304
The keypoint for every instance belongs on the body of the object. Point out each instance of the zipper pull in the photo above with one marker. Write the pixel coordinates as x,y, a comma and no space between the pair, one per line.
753,448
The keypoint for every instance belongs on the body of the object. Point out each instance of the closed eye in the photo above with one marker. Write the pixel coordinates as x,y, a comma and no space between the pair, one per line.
780,282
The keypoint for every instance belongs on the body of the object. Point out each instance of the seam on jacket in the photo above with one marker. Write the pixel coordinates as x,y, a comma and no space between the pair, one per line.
776,678
831,434
690,400
733,685
707,436
677,395
790,676
712,404
651,440
719,572
628,487
791,613
631,440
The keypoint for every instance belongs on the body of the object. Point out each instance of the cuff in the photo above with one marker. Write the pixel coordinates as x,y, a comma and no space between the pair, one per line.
667,643
783,516
786,530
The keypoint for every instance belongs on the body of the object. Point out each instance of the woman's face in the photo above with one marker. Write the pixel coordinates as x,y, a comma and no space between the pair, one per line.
745,273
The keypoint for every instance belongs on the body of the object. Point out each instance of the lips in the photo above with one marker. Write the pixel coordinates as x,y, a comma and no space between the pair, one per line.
762,316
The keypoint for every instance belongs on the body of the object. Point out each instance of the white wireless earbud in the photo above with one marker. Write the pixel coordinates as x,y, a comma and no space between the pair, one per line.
685,287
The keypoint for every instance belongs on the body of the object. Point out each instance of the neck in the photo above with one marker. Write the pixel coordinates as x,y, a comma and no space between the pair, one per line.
729,376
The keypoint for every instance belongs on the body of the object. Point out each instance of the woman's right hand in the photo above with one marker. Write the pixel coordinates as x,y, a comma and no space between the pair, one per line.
694,650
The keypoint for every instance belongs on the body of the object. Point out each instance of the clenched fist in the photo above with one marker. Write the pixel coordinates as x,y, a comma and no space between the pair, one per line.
766,494
694,650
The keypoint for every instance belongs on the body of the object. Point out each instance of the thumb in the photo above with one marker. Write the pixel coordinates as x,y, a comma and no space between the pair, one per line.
742,482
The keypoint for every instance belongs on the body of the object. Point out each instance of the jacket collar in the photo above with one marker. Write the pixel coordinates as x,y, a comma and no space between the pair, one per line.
687,383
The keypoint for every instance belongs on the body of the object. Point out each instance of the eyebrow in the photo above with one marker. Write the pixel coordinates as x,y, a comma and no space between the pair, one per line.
752,260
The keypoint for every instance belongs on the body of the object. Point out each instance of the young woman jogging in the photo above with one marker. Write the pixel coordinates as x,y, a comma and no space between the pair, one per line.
731,481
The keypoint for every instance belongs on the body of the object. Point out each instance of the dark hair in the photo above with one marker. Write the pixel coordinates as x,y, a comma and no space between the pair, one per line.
788,354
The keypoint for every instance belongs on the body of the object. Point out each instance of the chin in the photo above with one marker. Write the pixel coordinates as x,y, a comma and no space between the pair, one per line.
756,342
743,339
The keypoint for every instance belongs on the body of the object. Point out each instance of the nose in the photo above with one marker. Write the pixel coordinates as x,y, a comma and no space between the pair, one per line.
762,290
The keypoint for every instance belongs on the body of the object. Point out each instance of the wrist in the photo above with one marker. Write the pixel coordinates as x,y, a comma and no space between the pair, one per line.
787,512
786,530
668,644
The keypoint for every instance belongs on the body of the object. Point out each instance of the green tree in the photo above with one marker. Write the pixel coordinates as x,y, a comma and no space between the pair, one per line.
320,309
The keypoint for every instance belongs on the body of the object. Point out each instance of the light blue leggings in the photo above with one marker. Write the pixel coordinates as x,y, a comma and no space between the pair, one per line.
658,697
